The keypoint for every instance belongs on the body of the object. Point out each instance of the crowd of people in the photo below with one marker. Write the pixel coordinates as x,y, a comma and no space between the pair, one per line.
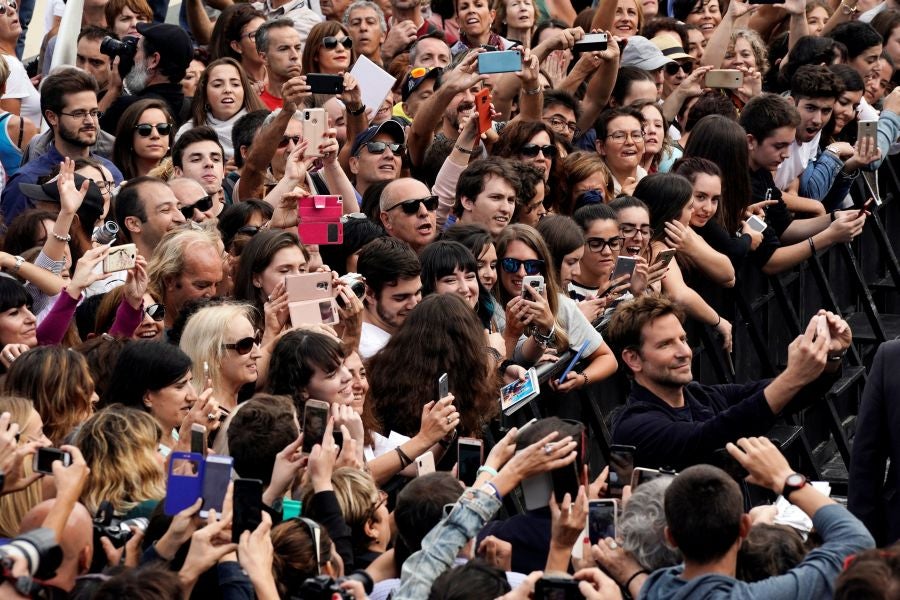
272,386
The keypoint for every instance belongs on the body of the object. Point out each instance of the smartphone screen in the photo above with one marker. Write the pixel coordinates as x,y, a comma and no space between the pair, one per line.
601,520
621,465
198,439
315,418
469,460
247,507
216,476
43,460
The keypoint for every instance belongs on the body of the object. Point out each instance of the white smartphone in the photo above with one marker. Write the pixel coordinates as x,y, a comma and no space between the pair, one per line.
535,282
425,464
756,224
216,477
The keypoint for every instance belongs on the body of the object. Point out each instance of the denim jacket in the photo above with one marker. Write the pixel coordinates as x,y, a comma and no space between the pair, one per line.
443,543
888,134
823,173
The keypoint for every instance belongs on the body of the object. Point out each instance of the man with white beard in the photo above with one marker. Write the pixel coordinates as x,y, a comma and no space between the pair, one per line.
163,54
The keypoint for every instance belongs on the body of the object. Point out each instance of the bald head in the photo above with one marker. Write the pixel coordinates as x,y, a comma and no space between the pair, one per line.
77,542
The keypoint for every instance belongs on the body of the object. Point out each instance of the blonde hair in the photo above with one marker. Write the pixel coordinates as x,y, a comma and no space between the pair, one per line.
577,167
169,255
120,445
357,496
757,46
203,338
14,506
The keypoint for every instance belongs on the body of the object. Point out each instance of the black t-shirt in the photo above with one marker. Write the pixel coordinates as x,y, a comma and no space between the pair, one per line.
735,247
763,187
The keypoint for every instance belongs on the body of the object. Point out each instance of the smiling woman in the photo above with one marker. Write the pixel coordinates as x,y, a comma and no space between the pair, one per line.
328,49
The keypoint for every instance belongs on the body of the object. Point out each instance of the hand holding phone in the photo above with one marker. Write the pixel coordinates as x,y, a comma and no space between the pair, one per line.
45,457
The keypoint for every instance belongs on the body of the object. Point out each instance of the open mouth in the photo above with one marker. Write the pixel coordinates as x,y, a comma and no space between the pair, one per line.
147,334
633,250
501,220
425,229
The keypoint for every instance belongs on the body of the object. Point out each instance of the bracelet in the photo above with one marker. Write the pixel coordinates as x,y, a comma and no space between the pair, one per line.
812,246
505,365
630,579
494,489
464,151
583,374
19,261
486,469
833,358
542,339
405,460
356,111
62,238
533,92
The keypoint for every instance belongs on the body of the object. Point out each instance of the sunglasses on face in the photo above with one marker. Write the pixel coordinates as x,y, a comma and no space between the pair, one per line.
157,312
532,150
288,139
245,345
204,203
145,129
380,147
250,230
330,42
532,266
7,7
411,207
673,68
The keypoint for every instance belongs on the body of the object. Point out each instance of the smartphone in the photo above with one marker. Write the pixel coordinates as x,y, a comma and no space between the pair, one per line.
624,266
641,475
198,439
573,362
535,282
425,464
602,519
247,512
666,256
729,79
120,258
320,83
865,207
756,224
469,454
483,106
315,418
443,386
591,42
43,459
557,588
184,481
621,465
309,286
867,129
216,477
314,122
501,61
729,464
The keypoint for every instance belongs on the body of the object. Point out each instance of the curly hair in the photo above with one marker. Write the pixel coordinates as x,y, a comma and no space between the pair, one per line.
757,46
441,335
641,527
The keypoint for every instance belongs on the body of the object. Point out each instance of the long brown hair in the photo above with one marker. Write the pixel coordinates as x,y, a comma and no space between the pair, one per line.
123,148
199,104
313,43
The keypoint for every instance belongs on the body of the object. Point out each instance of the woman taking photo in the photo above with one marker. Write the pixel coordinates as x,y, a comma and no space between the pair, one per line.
620,141
15,505
328,49
144,137
224,95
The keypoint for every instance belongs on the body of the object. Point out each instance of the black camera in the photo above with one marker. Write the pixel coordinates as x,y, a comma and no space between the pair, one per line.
39,549
125,49
107,525
324,587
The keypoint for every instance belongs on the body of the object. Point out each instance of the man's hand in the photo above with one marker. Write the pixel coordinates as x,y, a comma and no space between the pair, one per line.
839,331
847,225
70,197
496,552
464,75
398,39
768,468
807,354
294,91
596,585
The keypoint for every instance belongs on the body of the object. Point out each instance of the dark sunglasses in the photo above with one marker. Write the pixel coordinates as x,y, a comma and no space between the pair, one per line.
411,207
157,312
331,42
245,345
532,267
532,150
249,230
145,129
673,68
204,203
9,3
380,147
288,139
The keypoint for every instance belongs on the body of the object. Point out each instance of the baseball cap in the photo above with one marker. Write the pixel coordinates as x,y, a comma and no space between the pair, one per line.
390,127
172,43
643,54
670,47
48,192
416,77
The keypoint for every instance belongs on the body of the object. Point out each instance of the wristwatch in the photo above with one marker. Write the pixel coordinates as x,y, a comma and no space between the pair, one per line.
792,483
847,9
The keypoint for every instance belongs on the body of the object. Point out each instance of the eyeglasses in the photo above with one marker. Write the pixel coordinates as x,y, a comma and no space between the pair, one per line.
627,229
673,68
411,207
532,150
330,42
561,125
8,5
288,139
145,129
157,312
244,345
598,244
204,203
532,266
619,136
81,114
380,147
105,186
250,35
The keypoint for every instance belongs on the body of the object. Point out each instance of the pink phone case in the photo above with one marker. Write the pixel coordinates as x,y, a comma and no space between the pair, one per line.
320,220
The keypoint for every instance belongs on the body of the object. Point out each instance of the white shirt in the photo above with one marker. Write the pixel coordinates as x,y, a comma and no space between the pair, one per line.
303,16
800,155
372,339
19,87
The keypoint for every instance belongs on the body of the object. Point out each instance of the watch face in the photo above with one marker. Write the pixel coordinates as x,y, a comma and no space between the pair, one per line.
795,479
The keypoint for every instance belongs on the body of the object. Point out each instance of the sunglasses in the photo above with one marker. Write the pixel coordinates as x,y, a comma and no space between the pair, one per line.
673,68
331,42
10,5
248,230
288,139
418,72
411,207
204,203
532,267
157,312
145,129
244,345
380,147
532,150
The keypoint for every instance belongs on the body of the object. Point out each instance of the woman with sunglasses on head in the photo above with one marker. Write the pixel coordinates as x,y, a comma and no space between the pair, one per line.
620,141
144,137
534,322
224,95
328,49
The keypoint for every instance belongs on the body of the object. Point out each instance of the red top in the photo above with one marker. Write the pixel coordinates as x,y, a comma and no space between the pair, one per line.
271,101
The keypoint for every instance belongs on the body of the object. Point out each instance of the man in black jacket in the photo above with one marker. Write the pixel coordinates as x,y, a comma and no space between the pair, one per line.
675,422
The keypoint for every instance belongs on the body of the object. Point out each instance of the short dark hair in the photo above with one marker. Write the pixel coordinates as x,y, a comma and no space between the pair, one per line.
192,136
625,329
129,202
815,81
471,181
769,551
474,580
92,32
658,25
562,98
856,36
260,429
244,131
145,366
765,113
420,506
589,213
529,178
709,103
61,83
150,581
874,575
357,233
850,77
262,34
627,76
704,535
386,260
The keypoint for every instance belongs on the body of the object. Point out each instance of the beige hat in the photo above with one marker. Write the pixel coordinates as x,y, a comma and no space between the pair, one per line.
670,47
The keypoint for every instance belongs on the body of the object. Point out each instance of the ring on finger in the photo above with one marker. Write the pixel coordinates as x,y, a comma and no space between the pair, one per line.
613,545
548,449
